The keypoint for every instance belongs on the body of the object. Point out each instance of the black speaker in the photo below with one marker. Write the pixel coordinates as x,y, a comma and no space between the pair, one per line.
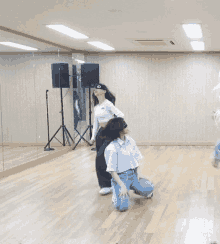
74,76
60,75
89,75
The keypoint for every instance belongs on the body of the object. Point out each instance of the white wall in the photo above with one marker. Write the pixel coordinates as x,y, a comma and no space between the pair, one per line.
24,80
166,98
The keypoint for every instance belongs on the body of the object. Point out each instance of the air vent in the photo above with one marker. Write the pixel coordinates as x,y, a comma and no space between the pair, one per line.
154,42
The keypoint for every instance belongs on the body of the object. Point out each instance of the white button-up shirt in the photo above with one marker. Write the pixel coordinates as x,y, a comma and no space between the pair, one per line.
121,156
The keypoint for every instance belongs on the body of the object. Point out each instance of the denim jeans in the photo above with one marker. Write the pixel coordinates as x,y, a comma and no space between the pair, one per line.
129,178
217,150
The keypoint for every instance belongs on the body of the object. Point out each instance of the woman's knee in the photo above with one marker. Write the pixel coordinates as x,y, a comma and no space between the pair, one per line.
143,190
121,208
122,204
146,193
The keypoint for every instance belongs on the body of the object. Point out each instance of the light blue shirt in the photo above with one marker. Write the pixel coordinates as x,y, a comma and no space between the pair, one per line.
122,155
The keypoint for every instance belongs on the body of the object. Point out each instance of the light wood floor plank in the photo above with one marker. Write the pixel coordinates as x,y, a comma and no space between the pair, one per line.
59,201
152,226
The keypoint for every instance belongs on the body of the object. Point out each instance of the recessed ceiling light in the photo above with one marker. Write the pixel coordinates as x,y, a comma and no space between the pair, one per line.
198,46
193,31
67,31
15,45
101,45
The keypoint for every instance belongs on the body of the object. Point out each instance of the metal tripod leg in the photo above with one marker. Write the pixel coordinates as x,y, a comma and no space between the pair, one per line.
81,137
53,137
67,138
69,135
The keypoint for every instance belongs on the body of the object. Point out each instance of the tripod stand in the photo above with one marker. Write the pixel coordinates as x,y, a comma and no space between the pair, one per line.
62,126
49,148
89,126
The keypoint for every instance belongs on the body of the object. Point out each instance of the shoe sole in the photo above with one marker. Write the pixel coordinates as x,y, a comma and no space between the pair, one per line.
105,193
148,197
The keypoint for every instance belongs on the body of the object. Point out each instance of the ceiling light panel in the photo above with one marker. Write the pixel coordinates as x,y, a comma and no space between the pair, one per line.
193,31
67,31
19,46
101,46
197,46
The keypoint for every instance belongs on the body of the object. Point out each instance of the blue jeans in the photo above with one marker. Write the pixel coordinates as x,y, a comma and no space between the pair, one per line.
129,178
217,150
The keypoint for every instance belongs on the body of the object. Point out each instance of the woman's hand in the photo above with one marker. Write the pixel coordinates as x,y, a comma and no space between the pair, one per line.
78,112
124,191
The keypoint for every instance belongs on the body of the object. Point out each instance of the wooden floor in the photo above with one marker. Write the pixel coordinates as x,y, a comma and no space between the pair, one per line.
14,159
58,202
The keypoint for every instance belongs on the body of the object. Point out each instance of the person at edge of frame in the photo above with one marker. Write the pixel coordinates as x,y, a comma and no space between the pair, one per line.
216,153
76,111
104,110
122,156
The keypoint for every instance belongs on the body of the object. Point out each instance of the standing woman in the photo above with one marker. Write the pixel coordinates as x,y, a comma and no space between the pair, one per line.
104,110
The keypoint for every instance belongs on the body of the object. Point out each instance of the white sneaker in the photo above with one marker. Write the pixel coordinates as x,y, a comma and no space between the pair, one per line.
105,190
150,195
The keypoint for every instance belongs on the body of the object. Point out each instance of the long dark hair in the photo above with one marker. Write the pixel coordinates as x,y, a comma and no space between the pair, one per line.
108,95
113,128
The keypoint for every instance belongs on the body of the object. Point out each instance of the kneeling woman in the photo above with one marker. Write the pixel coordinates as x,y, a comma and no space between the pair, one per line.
122,156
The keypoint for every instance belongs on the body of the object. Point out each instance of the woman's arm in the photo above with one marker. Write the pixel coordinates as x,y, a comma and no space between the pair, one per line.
111,158
95,128
115,110
77,107
117,178
124,190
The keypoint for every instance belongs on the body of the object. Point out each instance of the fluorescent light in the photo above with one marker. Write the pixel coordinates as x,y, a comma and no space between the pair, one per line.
101,45
80,61
193,31
15,45
67,31
196,45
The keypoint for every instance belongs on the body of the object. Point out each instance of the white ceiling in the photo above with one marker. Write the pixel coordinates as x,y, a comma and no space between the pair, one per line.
113,22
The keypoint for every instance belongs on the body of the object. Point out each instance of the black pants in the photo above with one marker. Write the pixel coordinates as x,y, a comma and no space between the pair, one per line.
76,119
104,178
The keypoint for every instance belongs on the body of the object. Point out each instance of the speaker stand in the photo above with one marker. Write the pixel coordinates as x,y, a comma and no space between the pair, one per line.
62,126
89,126
49,148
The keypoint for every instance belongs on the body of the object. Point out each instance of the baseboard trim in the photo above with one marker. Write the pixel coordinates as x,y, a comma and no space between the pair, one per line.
139,143
30,144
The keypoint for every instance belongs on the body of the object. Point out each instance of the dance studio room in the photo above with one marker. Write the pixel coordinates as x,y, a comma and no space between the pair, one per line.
110,122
